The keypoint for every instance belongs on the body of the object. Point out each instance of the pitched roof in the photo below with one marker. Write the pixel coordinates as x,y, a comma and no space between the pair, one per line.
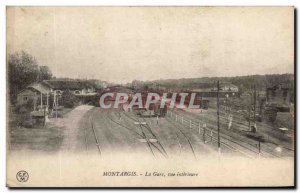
39,87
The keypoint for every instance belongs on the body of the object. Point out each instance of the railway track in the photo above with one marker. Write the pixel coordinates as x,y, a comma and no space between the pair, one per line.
188,140
89,125
95,135
245,148
142,131
180,131
148,128
240,122
268,148
212,139
141,135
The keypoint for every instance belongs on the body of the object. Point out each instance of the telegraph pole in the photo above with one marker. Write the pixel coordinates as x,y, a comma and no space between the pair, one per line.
218,113
41,100
254,105
250,109
56,105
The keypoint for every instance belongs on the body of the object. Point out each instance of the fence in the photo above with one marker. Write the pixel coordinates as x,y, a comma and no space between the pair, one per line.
211,135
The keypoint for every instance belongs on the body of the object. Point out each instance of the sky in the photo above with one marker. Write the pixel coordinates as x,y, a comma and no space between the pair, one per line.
121,44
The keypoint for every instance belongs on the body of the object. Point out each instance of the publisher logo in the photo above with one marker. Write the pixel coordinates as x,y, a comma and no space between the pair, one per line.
22,176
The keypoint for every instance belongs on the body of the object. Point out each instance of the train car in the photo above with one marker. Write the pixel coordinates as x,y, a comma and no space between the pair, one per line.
107,100
197,101
161,112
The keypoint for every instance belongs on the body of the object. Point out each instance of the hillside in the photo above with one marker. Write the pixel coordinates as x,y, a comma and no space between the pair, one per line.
243,82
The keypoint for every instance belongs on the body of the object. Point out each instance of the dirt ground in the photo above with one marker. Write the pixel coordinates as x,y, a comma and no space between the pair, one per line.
95,131
45,139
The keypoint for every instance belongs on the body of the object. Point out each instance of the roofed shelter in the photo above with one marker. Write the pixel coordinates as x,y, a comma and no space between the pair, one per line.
32,93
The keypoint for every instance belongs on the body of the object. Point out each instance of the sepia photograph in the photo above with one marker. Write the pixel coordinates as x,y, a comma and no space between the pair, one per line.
161,96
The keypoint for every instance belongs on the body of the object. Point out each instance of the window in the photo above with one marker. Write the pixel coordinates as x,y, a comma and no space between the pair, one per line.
25,98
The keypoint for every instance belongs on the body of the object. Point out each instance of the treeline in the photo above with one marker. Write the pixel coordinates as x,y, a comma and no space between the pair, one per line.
23,69
97,84
244,83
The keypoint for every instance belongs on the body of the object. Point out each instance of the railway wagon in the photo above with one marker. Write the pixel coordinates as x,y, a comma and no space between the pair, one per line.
158,111
107,100
203,103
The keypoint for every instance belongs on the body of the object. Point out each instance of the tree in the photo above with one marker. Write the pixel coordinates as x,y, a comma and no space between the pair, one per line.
69,99
23,70
45,73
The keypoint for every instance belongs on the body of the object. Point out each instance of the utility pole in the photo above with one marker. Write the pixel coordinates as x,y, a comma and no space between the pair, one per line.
250,109
56,106
254,105
226,105
218,113
41,100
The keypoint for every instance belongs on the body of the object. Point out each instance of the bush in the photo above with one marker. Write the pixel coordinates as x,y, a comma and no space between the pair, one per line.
69,100
25,108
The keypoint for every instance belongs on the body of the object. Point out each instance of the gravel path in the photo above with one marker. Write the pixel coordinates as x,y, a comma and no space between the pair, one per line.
72,128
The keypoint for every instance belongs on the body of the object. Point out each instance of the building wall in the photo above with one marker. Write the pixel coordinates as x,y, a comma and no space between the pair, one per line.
25,96
80,91
279,96
222,94
225,88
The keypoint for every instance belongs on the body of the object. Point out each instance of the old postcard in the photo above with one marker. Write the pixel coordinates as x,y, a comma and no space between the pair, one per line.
150,97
